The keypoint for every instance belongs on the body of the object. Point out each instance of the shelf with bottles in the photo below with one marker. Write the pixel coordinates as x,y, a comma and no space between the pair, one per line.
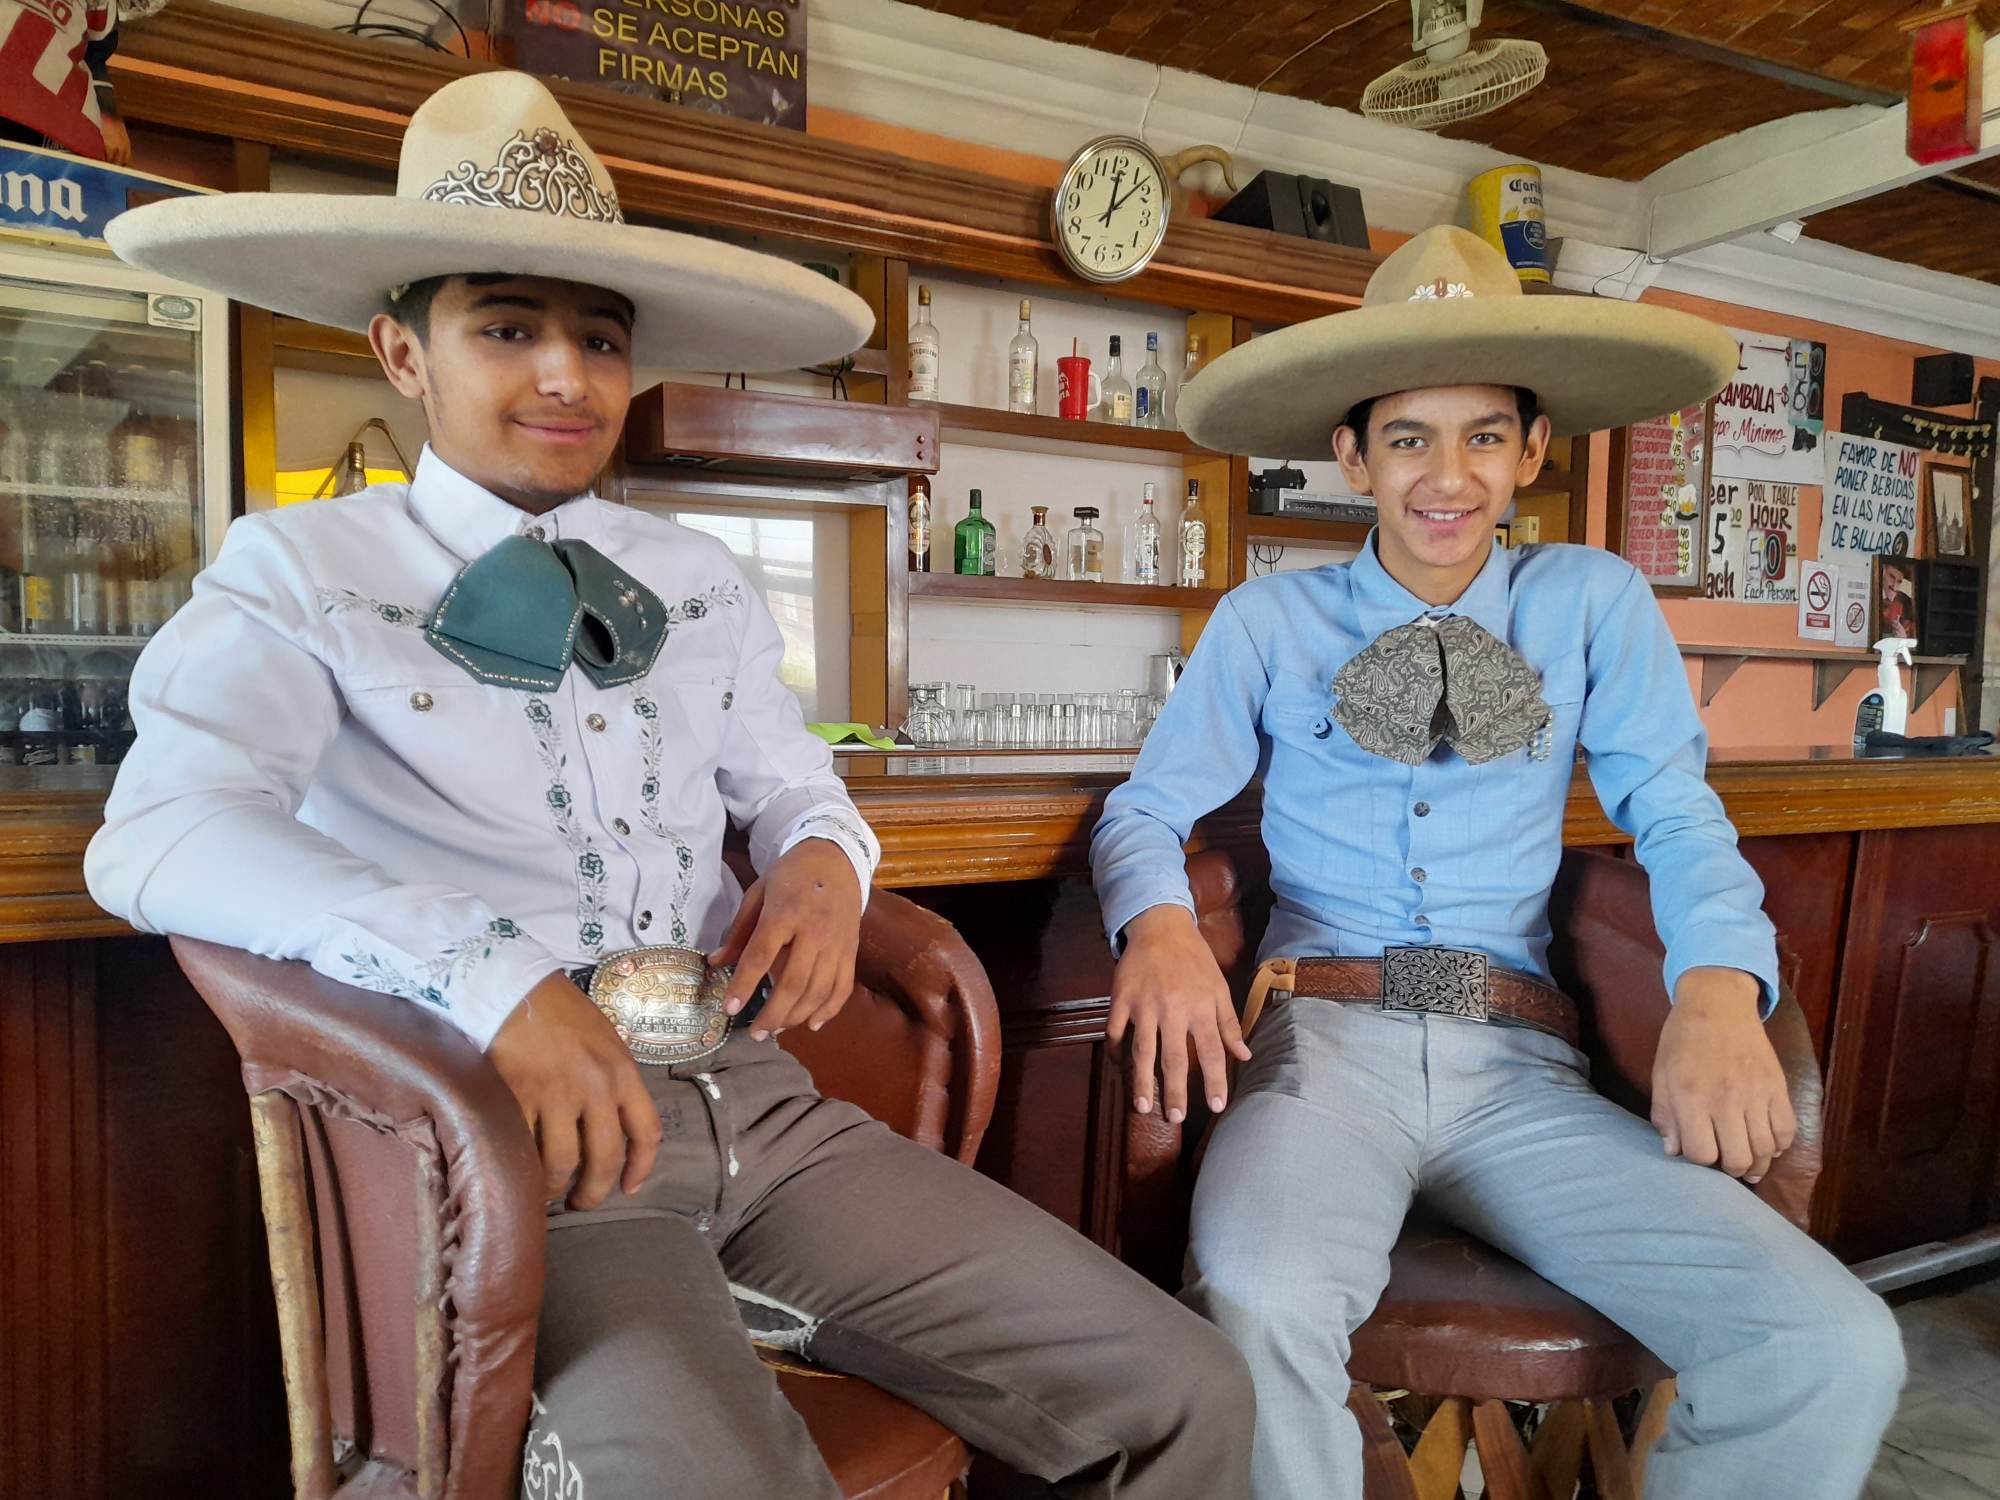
974,589
1001,429
120,642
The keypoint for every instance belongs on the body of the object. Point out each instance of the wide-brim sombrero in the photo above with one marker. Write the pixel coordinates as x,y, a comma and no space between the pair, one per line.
494,179
1448,310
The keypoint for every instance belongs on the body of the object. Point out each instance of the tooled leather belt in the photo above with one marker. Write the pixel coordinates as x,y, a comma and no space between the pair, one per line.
1454,982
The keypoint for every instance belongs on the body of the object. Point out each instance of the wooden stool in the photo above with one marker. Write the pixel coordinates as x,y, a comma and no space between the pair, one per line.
1475,1329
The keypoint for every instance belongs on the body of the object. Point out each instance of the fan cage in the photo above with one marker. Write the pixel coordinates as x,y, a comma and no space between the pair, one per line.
1424,96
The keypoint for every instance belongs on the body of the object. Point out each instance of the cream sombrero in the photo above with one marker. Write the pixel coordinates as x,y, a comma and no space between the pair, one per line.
494,178
1447,309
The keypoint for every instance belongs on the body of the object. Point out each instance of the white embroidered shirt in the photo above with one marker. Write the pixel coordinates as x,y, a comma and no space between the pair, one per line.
313,780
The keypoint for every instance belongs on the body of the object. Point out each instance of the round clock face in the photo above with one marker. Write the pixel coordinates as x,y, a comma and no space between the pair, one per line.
1110,210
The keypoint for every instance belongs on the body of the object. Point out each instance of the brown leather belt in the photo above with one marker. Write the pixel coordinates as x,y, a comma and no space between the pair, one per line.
1451,982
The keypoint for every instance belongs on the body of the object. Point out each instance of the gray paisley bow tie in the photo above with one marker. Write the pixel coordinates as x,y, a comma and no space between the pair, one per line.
1449,681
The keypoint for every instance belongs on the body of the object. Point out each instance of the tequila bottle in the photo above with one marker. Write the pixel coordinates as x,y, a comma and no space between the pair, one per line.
920,524
1117,390
923,351
1038,548
1194,540
1146,542
1189,367
1149,403
1023,362
972,542
1086,547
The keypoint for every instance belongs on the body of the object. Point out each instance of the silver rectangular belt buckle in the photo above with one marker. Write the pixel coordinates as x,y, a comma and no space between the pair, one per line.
1437,981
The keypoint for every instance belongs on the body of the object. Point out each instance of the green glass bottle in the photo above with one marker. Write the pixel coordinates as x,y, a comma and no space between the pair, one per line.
972,543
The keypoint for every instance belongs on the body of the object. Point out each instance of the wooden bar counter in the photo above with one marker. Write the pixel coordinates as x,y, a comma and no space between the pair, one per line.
137,1342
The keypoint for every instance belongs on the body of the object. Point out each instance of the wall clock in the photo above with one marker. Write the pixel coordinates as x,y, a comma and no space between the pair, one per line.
1109,212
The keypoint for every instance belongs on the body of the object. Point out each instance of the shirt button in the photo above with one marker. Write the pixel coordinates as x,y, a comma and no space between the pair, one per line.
727,699
1423,921
596,722
421,702
535,534
1423,809
620,825
645,920
1418,876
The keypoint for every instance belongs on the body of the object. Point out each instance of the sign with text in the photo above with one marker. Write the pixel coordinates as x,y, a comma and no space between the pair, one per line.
1752,542
1819,582
50,195
1768,421
1665,472
1870,504
728,58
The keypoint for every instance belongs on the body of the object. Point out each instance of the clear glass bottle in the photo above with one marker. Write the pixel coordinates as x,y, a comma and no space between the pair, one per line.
1024,359
972,542
1194,541
1038,548
1190,366
1086,547
920,524
1117,390
1146,541
923,351
1149,402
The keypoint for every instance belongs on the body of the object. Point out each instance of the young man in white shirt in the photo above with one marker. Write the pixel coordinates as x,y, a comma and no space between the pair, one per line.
476,740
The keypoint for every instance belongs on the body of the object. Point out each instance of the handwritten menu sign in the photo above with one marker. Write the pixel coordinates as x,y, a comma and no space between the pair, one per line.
1871,497
1751,541
1664,472
1767,422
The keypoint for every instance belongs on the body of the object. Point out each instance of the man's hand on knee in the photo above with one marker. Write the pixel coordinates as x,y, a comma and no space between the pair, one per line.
1719,1095
1171,996
581,1092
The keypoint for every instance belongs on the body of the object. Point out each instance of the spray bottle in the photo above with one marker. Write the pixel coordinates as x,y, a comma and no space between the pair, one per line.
1888,707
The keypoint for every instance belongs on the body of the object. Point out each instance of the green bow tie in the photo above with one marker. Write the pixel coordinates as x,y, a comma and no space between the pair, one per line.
518,615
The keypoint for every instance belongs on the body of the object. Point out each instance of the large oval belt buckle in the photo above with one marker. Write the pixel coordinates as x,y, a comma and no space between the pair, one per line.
664,1003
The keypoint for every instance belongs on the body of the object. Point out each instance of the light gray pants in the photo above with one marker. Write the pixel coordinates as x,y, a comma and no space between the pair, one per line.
1789,1368
906,1268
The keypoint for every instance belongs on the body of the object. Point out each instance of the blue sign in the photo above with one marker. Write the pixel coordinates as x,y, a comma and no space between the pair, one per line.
52,195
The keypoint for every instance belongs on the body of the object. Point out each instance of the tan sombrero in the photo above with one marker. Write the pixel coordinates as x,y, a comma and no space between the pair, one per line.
1447,309
494,178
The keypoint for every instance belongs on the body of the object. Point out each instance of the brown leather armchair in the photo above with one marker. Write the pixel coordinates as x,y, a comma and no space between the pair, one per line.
1461,1326
403,1206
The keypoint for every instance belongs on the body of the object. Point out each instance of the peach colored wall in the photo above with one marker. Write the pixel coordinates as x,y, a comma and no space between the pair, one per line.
1765,703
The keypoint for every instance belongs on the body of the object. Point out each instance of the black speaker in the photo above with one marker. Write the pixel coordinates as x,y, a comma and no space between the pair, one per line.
1310,207
1941,380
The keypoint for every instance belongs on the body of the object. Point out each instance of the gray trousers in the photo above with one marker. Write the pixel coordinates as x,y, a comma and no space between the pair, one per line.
908,1269
1789,1368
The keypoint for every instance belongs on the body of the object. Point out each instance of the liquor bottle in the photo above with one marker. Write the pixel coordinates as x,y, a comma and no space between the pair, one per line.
972,543
1117,390
1146,541
1189,368
1149,402
1024,357
923,351
920,524
38,582
1194,541
1038,548
1086,547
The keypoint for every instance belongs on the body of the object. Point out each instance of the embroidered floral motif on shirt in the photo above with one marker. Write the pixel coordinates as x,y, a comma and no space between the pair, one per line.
839,823
648,713
453,962
340,601
546,1472
562,812
722,596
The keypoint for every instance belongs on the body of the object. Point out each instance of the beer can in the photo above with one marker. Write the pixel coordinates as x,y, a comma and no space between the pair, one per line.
1506,209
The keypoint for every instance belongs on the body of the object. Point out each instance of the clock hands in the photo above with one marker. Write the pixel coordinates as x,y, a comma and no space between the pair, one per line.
1105,217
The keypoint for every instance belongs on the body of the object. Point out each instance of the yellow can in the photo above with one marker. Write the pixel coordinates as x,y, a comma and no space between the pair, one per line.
1506,205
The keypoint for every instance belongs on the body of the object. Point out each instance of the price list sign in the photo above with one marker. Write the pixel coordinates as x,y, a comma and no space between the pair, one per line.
1661,473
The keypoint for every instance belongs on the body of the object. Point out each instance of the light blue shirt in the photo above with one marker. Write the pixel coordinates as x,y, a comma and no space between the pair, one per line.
1368,853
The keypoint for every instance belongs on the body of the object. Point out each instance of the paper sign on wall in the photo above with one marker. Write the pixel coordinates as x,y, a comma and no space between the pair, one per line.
1818,584
1850,616
1870,504
1752,542
1768,421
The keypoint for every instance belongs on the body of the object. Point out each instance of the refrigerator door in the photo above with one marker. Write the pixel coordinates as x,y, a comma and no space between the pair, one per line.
114,483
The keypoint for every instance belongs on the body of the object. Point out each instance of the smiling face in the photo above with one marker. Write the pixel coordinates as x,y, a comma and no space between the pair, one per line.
1443,465
524,380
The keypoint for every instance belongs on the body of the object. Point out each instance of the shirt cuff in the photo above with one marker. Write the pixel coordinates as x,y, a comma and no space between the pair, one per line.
477,980
1727,948
1124,909
845,828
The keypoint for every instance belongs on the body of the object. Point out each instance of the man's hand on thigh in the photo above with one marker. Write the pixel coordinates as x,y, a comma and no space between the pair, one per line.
1719,1096
580,1090
1170,995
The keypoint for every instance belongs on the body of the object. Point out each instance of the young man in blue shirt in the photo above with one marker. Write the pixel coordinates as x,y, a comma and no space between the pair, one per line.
1413,717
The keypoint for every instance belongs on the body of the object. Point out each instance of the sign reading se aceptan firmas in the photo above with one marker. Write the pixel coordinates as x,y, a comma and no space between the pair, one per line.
728,57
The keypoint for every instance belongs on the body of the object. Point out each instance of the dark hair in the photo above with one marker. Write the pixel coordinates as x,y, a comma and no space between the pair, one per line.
1358,414
412,305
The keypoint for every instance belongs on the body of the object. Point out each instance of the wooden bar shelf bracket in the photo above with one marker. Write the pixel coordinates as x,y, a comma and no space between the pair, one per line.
1715,673
1828,676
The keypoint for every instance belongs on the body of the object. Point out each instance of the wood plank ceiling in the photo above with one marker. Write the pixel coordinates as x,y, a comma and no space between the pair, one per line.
1632,84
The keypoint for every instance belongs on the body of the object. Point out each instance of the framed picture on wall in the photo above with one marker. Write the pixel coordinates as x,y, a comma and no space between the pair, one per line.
1892,602
1659,474
1950,496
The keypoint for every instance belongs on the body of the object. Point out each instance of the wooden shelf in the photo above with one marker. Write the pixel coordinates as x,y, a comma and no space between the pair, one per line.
1832,665
1026,428
1305,529
1058,591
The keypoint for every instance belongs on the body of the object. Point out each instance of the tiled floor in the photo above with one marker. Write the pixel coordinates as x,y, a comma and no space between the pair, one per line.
1945,1442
